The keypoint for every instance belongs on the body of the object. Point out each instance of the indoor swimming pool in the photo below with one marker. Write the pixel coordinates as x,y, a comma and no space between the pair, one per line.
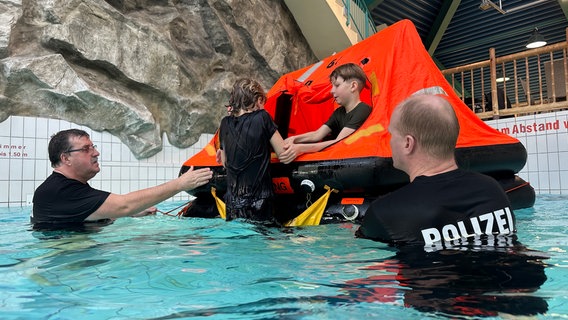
164,267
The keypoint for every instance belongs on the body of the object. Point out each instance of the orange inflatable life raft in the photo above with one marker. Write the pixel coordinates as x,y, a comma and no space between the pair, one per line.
360,167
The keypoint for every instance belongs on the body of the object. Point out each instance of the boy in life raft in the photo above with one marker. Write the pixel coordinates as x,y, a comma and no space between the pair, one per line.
347,81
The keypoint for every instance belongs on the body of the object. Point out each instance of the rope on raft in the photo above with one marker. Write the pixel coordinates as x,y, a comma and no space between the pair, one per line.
517,187
186,206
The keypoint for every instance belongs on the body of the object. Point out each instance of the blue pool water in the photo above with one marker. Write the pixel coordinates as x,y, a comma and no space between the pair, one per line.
162,267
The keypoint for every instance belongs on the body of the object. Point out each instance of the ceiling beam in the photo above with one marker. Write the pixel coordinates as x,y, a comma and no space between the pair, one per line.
438,63
490,41
564,5
372,4
445,16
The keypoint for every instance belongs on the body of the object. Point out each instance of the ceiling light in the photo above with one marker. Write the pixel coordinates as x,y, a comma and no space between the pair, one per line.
536,40
500,77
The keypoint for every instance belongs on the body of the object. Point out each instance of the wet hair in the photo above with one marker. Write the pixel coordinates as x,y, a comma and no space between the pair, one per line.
246,92
60,143
431,120
350,71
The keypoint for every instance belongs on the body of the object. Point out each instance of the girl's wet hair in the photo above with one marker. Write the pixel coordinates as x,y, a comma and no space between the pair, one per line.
246,92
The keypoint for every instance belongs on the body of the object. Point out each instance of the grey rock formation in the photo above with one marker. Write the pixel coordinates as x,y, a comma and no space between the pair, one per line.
139,68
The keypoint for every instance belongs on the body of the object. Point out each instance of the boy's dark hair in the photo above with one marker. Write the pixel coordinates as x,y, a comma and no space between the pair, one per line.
60,143
246,92
348,72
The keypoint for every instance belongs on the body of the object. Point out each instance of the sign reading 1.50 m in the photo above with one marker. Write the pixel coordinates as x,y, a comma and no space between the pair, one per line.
13,151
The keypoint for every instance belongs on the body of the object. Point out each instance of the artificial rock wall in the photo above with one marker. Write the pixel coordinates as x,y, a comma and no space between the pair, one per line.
139,68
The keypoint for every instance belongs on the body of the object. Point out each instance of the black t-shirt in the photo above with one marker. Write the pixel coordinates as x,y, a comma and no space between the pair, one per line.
431,210
340,119
60,200
246,143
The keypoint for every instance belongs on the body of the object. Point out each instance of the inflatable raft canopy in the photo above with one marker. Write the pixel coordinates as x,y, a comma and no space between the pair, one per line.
360,167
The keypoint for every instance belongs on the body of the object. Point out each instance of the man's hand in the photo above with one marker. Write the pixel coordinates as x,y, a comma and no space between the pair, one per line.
195,178
147,212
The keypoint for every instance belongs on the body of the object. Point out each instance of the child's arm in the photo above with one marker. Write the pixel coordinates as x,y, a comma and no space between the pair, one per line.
279,146
312,136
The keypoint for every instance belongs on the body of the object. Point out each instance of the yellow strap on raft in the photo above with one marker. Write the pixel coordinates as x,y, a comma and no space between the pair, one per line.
312,215
220,204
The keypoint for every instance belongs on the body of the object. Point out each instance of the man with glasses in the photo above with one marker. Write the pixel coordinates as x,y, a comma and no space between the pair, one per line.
65,197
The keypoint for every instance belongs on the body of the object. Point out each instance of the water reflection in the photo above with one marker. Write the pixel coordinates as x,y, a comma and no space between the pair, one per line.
468,283
447,283
477,282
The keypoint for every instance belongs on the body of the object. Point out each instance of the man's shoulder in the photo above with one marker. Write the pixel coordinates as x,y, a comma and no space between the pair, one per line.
56,183
53,178
400,197
56,177
474,175
460,177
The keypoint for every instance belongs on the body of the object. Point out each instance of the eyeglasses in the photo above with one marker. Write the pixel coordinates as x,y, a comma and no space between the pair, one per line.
85,149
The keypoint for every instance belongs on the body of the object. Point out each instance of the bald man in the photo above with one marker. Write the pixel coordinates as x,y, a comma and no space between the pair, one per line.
442,205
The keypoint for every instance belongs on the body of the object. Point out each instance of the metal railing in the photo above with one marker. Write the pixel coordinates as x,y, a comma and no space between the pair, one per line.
523,83
357,14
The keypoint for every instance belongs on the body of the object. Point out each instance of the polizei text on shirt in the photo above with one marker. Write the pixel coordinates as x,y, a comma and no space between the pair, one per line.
500,220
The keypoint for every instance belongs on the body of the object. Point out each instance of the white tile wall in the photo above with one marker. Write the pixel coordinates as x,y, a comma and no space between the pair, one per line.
545,136
24,162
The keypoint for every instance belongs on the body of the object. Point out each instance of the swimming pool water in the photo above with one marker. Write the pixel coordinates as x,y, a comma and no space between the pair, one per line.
163,267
